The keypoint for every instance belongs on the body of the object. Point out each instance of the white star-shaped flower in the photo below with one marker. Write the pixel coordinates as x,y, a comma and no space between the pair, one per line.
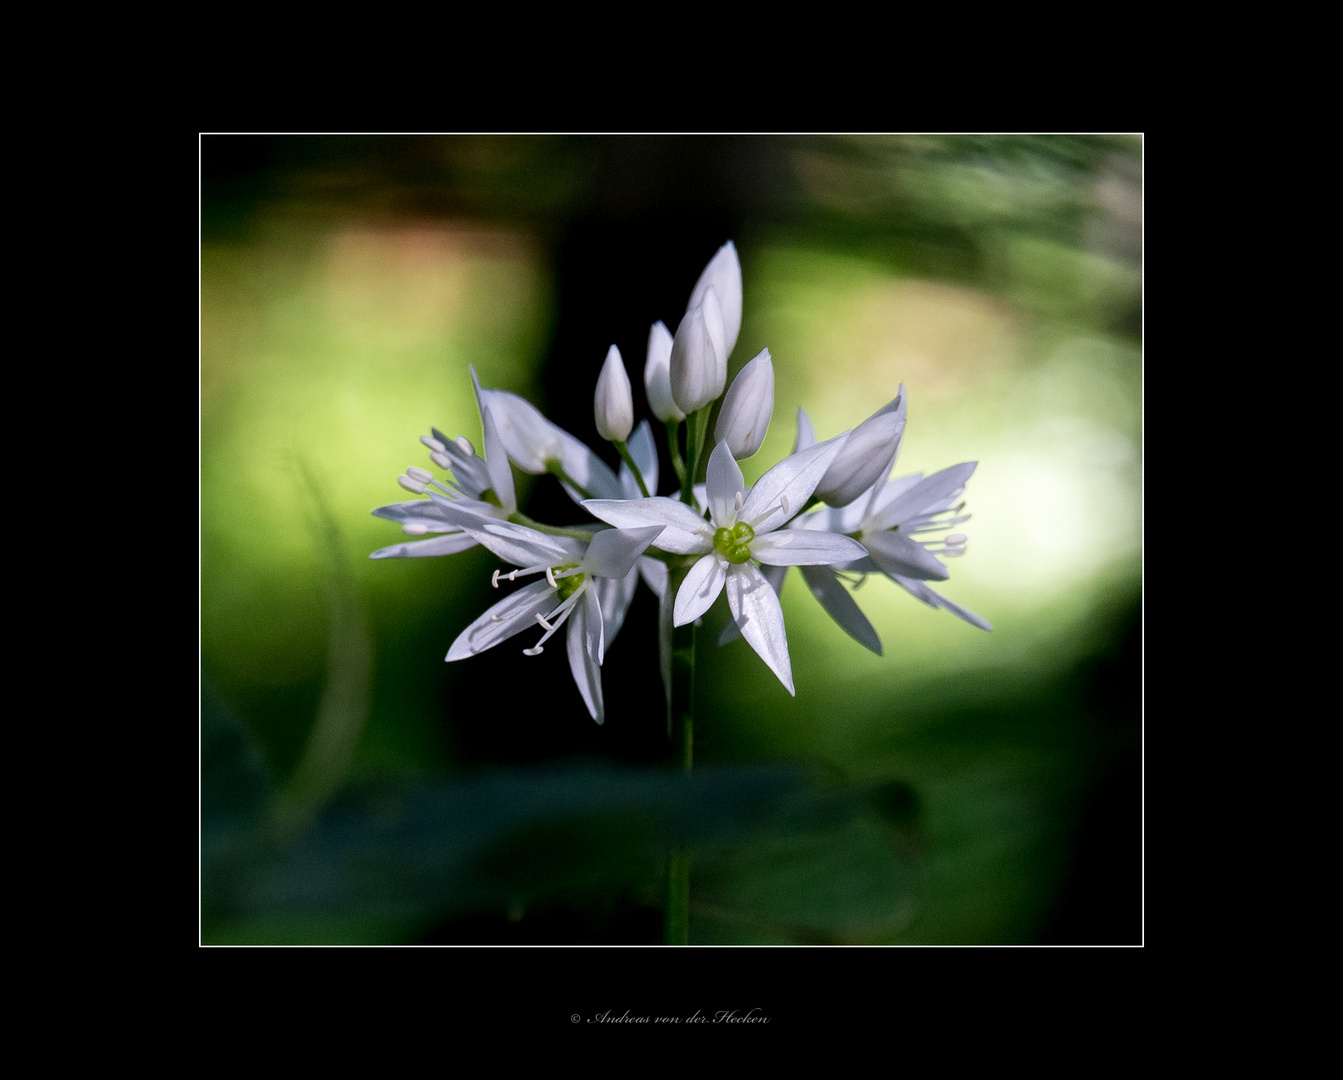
585,585
482,487
743,528
904,525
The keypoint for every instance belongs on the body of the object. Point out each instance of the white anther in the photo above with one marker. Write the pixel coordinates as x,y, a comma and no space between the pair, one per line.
957,540
422,475
783,504
494,580
736,503
432,443
496,618
550,577
544,625
414,528
441,460
465,446
533,652
411,485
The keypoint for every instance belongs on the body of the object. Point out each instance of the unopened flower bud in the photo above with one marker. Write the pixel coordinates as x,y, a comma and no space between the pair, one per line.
698,373
867,455
723,276
657,375
614,403
747,408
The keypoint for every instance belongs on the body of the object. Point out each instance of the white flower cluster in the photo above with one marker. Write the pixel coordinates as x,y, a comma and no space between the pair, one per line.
828,508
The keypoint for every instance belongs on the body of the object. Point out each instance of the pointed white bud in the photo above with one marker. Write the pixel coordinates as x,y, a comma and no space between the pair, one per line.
614,403
698,374
657,375
747,408
723,276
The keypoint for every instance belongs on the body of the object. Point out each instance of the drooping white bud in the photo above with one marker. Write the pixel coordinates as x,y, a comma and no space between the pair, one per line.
657,375
698,374
614,402
747,408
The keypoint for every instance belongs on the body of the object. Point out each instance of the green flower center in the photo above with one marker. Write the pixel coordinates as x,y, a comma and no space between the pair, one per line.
566,586
735,543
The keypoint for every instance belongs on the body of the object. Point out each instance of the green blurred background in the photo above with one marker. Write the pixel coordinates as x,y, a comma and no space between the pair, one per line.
965,787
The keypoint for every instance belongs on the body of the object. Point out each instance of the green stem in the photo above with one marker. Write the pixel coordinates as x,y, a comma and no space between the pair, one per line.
578,533
696,429
674,448
625,457
681,727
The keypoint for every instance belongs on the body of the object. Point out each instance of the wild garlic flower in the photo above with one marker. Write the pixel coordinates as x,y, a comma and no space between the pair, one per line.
743,529
582,586
904,526
482,487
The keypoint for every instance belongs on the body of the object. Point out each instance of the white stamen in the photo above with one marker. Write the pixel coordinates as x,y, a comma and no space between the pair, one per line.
465,446
411,485
736,504
957,540
424,476
550,577
783,504
441,460
496,618
414,528
533,652
542,620
495,579
432,443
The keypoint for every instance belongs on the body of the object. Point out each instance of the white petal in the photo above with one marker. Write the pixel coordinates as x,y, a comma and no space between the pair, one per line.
724,484
686,533
840,606
713,322
755,607
532,442
936,599
521,546
614,595
805,547
496,462
775,576
529,439
702,584
583,645
512,615
612,552
657,376
867,456
747,407
933,493
900,556
417,511
723,275
449,544
806,434
791,481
